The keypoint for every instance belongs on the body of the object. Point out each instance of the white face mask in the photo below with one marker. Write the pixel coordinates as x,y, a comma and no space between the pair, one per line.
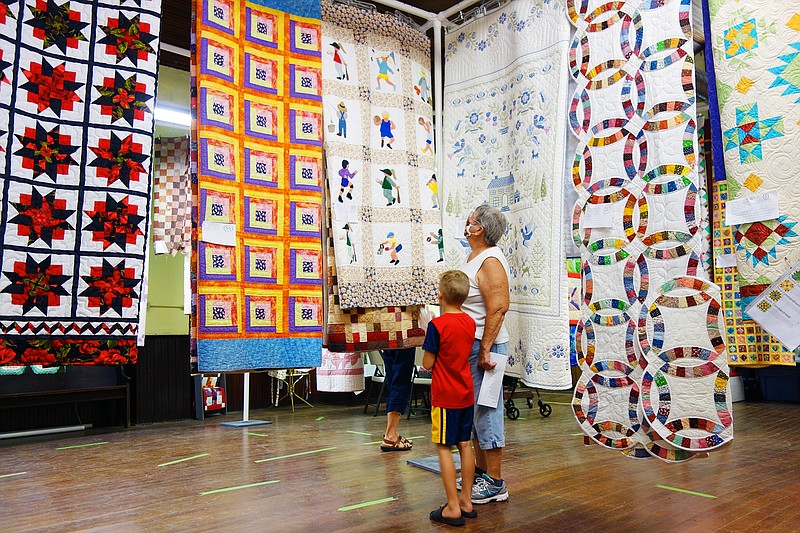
467,232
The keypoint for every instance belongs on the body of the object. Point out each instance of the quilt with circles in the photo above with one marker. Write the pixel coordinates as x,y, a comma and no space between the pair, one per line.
748,343
756,56
380,158
258,137
504,125
654,370
77,92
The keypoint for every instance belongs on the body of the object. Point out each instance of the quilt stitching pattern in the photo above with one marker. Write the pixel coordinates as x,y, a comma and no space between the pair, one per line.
652,355
503,114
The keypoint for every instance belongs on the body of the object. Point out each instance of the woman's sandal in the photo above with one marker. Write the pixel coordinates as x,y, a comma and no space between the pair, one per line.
399,445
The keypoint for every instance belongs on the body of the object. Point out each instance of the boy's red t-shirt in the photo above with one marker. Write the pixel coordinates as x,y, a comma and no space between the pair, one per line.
450,338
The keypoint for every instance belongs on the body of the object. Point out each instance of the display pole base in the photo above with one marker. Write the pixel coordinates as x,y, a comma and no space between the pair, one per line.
245,423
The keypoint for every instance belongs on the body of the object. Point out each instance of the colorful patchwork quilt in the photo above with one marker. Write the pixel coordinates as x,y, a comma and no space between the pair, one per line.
652,356
504,121
172,197
756,56
746,60
258,138
77,91
380,159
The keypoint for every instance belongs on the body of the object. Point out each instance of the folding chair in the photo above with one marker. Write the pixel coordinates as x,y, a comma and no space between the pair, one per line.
374,362
420,379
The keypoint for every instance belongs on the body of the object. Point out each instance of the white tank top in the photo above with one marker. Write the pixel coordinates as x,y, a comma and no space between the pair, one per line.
474,305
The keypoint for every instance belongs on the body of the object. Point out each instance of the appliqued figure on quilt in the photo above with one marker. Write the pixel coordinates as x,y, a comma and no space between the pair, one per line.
339,61
347,180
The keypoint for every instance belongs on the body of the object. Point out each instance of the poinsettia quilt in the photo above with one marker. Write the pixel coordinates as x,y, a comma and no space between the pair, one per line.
77,91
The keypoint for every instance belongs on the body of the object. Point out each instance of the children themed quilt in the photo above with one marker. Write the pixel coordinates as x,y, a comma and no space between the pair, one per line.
654,372
380,159
504,136
258,136
77,92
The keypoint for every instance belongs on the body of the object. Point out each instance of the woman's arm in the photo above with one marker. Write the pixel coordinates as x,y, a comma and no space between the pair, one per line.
493,284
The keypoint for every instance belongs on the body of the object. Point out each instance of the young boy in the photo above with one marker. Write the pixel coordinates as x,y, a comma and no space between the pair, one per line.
447,345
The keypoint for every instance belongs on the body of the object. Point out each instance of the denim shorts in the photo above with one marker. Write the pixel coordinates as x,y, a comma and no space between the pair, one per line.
488,426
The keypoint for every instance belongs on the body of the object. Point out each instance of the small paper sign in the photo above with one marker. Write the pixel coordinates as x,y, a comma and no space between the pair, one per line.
598,216
219,233
761,206
724,261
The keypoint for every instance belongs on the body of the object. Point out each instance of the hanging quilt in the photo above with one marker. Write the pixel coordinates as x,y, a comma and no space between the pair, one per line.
258,137
654,372
380,159
574,298
172,200
504,123
77,90
363,329
340,372
756,53
747,69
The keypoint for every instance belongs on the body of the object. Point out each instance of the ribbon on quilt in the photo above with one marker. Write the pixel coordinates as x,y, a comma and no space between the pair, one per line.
172,197
750,53
380,159
504,122
258,135
654,374
77,90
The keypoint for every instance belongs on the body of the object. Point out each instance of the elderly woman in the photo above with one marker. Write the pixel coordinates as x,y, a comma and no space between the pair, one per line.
487,303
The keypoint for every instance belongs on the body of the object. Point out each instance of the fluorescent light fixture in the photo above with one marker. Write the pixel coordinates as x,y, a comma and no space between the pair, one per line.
166,115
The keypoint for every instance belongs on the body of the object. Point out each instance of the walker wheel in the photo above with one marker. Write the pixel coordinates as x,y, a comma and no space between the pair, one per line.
530,403
545,410
512,413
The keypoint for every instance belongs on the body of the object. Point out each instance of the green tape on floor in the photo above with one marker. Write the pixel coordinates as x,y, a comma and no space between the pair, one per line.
693,493
558,403
296,454
359,432
319,418
239,487
184,459
256,434
81,445
366,504
14,474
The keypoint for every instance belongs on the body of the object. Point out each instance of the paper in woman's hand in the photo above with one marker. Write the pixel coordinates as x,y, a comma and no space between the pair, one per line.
492,384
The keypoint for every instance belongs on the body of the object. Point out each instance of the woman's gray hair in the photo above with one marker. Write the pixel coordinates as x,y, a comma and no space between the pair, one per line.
492,221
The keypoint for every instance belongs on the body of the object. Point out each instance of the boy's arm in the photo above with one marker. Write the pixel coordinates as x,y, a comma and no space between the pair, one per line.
428,360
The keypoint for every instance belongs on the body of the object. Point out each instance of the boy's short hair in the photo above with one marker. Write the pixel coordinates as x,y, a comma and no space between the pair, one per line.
454,286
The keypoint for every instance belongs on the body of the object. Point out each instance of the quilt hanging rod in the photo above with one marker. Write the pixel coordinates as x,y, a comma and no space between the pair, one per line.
480,11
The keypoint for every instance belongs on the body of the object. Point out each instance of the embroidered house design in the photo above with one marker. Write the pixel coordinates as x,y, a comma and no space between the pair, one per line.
502,193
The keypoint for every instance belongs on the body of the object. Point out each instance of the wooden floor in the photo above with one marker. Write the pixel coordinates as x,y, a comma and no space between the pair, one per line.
555,482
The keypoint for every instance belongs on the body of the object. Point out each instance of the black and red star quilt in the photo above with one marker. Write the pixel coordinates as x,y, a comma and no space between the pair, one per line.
77,93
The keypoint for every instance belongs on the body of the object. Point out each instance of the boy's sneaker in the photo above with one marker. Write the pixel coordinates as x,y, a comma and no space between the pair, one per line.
485,491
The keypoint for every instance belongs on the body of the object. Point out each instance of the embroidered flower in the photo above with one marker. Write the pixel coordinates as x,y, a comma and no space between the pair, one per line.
482,45
525,97
473,118
482,138
461,37
503,18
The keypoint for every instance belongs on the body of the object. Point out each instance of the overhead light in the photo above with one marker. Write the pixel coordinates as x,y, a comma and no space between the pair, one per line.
165,115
